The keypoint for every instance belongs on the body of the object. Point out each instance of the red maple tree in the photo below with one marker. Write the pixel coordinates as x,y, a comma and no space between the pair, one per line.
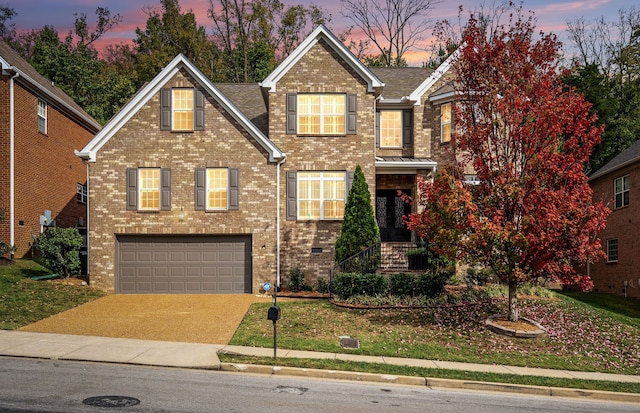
527,137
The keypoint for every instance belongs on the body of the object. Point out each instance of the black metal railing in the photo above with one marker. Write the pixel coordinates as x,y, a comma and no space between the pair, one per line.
366,261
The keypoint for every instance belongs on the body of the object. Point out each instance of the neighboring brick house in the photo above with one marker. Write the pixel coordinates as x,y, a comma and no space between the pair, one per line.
40,126
203,188
617,184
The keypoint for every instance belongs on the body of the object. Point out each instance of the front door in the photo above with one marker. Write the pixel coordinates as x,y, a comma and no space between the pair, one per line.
389,211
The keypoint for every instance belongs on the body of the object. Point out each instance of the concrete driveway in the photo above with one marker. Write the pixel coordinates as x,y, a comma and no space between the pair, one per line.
202,318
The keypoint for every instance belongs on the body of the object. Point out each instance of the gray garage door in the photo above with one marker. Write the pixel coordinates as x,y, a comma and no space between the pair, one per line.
183,264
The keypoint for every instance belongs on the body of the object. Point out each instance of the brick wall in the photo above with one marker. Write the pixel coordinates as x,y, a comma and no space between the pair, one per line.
321,70
46,168
141,143
623,224
4,157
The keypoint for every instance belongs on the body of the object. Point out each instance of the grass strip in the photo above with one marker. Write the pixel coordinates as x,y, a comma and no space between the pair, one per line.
361,367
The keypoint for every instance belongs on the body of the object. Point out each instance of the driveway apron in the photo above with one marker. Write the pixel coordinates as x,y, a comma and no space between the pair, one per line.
191,318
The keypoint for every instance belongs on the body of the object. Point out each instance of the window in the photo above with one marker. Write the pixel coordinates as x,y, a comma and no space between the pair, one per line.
391,129
621,191
216,189
181,109
81,193
321,114
42,116
321,195
445,122
149,189
394,129
612,250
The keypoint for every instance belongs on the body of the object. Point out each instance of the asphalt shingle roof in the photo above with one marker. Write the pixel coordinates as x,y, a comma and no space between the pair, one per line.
400,81
629,155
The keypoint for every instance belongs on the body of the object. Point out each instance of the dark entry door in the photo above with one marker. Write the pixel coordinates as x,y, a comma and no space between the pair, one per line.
389,211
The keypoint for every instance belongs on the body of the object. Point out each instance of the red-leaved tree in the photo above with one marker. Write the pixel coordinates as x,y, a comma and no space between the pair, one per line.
527,136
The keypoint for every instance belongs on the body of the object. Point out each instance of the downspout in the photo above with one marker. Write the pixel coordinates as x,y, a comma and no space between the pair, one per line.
12,240
86,224
283,160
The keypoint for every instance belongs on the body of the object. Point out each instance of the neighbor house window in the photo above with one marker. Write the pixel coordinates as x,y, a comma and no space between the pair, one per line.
42,116
181,109
81,193
321,114
216,189
612,250
321,195
149,189
445,122
391,129
621,191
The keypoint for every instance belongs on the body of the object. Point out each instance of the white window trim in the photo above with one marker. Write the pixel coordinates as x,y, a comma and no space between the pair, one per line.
81,193
142,188
208,189
42,114
443,123
175,110
322,180
321,114
399,146
622,179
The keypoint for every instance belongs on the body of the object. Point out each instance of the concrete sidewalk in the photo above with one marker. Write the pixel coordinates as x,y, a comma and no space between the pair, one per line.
205,356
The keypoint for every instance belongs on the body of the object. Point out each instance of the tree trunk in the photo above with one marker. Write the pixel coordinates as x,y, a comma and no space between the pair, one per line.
513,301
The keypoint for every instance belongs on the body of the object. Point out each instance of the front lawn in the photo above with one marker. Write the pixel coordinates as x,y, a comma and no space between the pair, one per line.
24,301
580,336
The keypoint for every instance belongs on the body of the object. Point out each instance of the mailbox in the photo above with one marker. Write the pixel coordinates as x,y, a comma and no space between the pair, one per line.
274,313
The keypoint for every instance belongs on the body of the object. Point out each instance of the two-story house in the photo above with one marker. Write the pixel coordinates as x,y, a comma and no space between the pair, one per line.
617,184
42,182
203,188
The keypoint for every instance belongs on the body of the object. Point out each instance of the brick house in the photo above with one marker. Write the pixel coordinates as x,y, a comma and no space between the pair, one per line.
203,188
617,184
40,126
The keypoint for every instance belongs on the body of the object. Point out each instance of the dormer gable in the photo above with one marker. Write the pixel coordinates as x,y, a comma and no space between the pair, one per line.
155,86
417,95
322,33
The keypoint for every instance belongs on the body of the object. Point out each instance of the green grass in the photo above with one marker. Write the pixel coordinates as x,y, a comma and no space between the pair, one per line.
580,336
24,301
376,368
625,310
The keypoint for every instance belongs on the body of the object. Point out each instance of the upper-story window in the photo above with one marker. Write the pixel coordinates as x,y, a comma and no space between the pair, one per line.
216,189
445,122
612,250
42,116
391,129
181,109
81,193
148,189
394,129
621,191
321,114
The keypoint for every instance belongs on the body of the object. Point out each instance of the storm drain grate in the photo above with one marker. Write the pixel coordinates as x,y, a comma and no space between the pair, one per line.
348,342
111,401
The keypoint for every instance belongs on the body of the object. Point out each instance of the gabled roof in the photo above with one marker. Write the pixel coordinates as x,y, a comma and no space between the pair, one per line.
428,83
322,33
625,158
180,62
12,63
399,82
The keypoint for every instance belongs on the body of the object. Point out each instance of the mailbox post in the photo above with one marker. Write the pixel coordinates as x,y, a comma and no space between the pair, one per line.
273,314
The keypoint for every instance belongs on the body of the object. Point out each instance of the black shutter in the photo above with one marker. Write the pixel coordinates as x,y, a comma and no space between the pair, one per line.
198,105
165,109
407,128
350,175
292,196
352,114
292,115
165,189
200,189
233,189
132,189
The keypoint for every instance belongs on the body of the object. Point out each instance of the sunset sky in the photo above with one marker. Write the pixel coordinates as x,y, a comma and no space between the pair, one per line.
552,15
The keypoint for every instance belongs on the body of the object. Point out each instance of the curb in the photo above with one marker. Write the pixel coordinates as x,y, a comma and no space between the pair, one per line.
432,382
